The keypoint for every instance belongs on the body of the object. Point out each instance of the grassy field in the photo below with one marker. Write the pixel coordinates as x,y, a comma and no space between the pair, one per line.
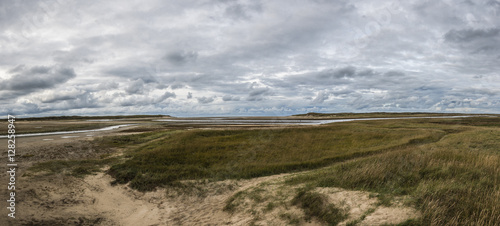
450,168
454,181
222,154
82,167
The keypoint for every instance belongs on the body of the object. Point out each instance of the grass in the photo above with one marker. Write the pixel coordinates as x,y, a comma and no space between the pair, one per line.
129,140
231,204
290,218
316,205
359,220
449,168
452,181
84,167
222,154
78,168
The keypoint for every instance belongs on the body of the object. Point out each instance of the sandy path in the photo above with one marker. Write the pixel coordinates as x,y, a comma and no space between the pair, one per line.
118,203
124,206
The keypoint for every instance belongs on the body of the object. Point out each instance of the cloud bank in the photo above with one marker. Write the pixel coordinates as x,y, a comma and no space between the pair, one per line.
242,57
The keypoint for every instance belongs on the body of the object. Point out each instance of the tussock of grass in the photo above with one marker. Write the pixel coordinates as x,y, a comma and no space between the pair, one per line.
222,154
316,205
78,168
231,203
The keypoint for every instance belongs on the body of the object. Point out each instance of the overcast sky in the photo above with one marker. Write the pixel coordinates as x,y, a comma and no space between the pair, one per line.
224,57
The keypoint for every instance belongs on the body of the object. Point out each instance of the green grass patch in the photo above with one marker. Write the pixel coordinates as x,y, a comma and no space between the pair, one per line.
78,168
222,154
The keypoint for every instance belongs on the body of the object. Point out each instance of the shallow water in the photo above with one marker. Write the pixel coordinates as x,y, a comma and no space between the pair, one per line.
226,121
69,132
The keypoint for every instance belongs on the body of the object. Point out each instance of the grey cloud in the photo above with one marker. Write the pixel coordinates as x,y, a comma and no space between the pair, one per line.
27,80
230,98
39,70
58,98
17,69
470,34
180,57
338,73
84,100
177,85
394,73
135,87
205,100
321,97
108,85
143,100
189,95
344,73
166,95
239,11
134,73
258,93
79,55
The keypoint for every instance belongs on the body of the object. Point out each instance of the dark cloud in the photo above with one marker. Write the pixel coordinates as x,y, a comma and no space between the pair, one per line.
29,79
257,93
167,95
135,73
394,74
238,11
135,87
230,98
58,98
181,57
346,72
205,100
470,34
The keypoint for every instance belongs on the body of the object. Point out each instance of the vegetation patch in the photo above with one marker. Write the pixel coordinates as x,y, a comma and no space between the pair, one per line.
316,205
455,180
222,154
126,141
78,168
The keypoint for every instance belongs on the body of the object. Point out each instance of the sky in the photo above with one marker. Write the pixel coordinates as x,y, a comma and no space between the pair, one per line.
238,57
